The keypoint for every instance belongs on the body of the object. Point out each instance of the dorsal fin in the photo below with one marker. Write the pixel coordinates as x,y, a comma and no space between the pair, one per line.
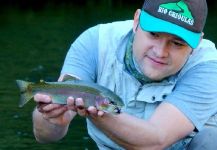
67,77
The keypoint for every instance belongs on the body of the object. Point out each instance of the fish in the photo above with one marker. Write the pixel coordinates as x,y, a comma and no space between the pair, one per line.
92,94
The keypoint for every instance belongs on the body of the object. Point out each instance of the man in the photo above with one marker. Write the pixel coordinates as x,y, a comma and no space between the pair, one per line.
162,69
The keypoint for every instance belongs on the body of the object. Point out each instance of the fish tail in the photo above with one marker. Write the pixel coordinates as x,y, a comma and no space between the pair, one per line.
25,95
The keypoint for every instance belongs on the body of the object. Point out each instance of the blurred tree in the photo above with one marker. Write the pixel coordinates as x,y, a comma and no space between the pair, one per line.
40,4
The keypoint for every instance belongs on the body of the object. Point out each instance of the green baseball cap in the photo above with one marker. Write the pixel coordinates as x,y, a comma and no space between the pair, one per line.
183,18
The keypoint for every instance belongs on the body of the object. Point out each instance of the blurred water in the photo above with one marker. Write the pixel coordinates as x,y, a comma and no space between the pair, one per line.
33,45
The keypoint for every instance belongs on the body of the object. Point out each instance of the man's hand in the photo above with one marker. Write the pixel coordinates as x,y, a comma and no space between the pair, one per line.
78,106
54,113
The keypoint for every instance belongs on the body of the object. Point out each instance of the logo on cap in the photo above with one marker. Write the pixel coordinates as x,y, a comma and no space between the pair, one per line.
178,10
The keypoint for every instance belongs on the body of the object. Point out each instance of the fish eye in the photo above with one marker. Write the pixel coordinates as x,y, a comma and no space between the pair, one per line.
117,110
113,103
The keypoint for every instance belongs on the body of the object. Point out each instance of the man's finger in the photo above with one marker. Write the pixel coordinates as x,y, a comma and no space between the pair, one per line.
92,110
70,101
79,103
55,113
50,107
100,113
42,98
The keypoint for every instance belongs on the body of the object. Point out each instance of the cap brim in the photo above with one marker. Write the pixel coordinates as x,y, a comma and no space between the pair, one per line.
153,24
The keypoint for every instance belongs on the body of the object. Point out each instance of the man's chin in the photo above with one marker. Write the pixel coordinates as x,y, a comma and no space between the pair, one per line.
156,78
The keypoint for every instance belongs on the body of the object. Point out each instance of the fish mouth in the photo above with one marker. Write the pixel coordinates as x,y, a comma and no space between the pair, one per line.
110,108
115,106
117,110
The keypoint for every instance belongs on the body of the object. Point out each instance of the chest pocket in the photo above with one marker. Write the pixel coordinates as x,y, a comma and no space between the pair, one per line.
148,98
155,92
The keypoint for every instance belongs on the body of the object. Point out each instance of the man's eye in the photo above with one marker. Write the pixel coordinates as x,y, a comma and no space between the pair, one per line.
178,43
154,34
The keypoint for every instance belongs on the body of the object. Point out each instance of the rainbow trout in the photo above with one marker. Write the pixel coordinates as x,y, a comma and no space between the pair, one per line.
92,93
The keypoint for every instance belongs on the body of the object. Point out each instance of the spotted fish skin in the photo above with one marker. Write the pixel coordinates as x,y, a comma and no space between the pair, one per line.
92,93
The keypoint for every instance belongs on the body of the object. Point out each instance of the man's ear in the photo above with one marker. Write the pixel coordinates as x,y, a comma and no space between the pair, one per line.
136,20
201,37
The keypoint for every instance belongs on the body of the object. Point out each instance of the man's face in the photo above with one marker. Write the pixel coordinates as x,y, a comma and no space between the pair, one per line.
159,55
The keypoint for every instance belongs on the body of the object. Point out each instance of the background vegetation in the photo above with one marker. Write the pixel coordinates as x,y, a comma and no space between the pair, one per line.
34,39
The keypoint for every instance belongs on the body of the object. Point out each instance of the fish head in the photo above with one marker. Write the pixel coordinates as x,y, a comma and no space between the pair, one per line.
108,106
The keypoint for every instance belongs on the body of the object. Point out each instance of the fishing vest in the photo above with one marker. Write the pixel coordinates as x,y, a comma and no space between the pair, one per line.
140,101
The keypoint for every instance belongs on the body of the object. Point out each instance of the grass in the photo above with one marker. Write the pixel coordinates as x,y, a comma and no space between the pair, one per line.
33,46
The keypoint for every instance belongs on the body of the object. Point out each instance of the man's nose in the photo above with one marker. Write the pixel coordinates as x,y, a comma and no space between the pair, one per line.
161,49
